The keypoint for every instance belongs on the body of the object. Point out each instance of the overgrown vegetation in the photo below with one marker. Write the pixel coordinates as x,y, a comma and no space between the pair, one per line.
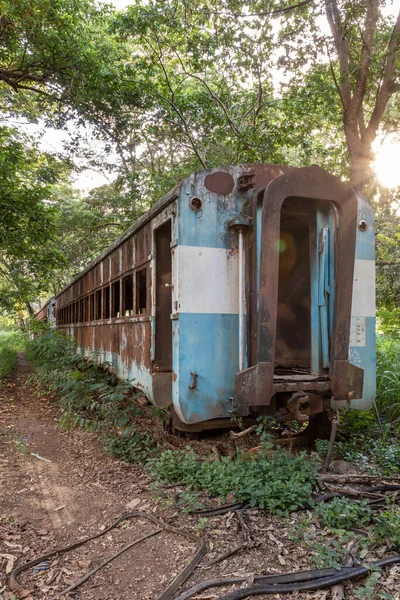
274,479
342,513
11,342
92,398
89,395
388,379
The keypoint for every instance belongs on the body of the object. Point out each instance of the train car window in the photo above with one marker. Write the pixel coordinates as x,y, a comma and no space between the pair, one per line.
91,306
106,302
141,292
115,299
127,295
97,307
81,311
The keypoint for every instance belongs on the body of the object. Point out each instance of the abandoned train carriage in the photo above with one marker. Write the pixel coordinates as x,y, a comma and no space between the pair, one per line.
247,289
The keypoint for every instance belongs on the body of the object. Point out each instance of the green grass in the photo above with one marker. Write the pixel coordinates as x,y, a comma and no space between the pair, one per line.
11,342
388,380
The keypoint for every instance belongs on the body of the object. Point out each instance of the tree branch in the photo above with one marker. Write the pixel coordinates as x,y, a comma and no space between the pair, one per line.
386,88
360,87
335,24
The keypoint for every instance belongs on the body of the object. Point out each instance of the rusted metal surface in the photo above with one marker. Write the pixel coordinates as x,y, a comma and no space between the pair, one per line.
163,303
221,183
255,385
300,406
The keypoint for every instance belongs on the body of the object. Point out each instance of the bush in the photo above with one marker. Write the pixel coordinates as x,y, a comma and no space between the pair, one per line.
388,379
341,513
11,342
387,526
277,481
89,395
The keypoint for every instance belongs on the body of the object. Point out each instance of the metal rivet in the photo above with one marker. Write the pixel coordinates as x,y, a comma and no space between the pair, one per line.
362,225
195,204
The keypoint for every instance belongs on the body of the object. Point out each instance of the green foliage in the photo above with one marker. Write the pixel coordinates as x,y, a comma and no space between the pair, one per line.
387,526
368,590
328,554
131,445
28,249
89,396
388,379
341,513
189,501
277,481
11,342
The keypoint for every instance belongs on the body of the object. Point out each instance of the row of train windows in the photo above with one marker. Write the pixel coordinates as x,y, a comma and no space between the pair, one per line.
125,297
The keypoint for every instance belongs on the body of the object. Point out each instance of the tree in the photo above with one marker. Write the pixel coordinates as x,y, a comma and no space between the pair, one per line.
363,54
28,250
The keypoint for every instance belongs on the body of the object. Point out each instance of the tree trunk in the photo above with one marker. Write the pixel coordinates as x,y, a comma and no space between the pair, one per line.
360,167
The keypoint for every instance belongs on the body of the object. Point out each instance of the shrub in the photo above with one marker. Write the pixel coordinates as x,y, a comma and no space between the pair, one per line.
277,481
89,395
11,342
341,513
387,526
388,379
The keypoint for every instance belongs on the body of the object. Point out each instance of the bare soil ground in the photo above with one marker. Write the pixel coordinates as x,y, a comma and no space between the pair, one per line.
45,505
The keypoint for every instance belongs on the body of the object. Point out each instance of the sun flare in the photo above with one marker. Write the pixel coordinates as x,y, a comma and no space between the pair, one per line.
387,164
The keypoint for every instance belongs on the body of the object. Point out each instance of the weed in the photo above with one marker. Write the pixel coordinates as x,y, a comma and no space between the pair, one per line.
21,445
341,513
202,524
131,446
387,526
368,589
274,480
11,342
189,501
327,555
388,379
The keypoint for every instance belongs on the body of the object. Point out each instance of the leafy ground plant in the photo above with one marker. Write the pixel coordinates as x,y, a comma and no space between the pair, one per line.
274,479
11,342
89,395
388,379
341,513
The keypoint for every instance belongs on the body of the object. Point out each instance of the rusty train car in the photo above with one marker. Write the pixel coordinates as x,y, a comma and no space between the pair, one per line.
246,290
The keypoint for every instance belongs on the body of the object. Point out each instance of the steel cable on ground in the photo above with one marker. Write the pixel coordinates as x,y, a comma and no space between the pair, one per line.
166,594
313,584
287,582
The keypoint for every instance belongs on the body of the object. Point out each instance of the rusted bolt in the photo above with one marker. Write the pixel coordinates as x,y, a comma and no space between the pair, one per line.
195,377
363,225
195,204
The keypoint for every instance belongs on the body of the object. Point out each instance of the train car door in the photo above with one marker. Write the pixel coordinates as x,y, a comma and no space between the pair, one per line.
162,364
305,276
163,329
305,286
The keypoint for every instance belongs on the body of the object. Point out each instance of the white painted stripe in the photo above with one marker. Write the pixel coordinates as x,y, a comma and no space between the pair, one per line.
206,280
363,304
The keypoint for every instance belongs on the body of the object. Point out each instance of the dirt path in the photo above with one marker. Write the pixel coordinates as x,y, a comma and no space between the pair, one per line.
44,505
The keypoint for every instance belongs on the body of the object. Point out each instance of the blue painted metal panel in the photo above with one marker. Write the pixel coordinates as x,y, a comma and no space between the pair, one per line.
365,240
365,358
207,345
209,226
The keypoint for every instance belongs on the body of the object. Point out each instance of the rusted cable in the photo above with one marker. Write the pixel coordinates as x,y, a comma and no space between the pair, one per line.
106,561
282,578
212,512
168,592
312,584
